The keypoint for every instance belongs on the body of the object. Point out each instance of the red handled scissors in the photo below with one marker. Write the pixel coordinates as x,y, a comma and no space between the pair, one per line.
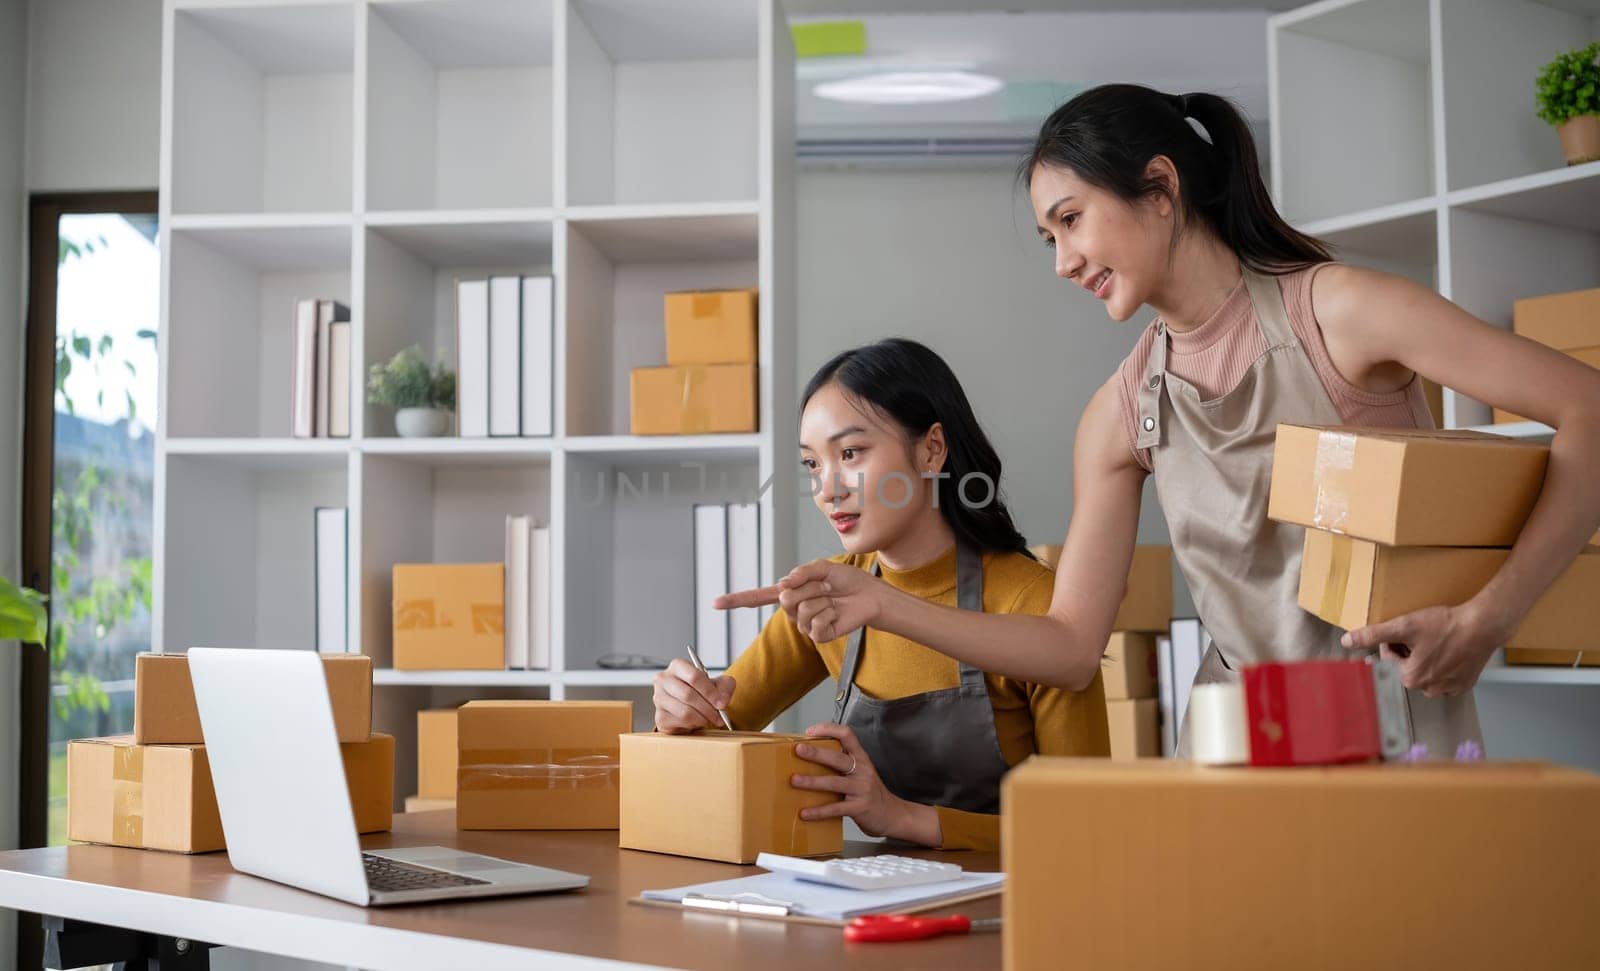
883,928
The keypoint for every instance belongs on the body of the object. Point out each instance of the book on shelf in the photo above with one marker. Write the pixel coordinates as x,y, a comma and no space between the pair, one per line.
330,578
710,580
505,356
472,358
527,594
319,391
744,573
1177,663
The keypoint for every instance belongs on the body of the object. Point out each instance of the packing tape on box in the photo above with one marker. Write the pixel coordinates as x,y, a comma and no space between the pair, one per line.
704,305
1219,732
538,768
1337,584
1336,456
696,416
127,795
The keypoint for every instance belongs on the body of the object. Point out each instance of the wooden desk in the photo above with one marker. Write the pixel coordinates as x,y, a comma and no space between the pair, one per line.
202,898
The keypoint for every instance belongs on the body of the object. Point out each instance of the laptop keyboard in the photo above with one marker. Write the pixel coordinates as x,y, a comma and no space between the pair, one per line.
388,876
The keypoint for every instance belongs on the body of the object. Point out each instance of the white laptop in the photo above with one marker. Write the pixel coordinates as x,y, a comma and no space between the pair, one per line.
286,813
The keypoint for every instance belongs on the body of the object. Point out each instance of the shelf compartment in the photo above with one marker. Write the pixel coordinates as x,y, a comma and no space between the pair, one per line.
411,275
1352,74
630,69
614,320
1568,197
629,561
1401,239
1493,51
230,323
238,568
437,508
262,108
460,104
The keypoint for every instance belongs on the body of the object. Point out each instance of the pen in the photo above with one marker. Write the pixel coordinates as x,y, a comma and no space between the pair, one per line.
695,657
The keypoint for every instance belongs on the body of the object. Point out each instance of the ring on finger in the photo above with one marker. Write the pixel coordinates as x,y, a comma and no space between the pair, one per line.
852,769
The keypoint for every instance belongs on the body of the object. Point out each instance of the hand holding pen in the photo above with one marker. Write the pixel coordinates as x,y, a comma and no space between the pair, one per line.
687,698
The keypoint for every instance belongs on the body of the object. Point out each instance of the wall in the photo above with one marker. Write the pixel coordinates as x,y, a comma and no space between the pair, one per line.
13,20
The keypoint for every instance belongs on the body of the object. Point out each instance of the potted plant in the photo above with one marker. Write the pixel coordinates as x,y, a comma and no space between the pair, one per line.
1569,98
22,614
424,396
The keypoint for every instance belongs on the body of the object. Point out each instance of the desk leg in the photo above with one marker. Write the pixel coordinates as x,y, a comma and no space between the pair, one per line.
77,944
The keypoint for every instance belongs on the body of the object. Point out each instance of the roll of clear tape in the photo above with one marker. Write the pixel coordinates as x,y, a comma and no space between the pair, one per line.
1219,733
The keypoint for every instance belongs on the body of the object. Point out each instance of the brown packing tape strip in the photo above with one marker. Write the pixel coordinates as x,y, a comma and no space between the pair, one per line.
127,795
696,415
490,769
1337,585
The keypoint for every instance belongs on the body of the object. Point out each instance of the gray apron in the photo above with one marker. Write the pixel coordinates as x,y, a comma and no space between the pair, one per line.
937,748
1213,470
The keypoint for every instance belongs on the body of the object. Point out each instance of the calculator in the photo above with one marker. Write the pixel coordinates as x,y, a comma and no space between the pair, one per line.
883,872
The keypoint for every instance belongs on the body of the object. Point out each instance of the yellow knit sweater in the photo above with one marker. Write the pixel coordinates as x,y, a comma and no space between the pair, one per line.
783,664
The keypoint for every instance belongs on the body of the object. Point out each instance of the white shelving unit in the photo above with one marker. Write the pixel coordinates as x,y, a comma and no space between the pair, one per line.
376,151
1404,132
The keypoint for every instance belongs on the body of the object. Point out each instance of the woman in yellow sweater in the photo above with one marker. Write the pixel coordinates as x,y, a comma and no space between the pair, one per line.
910,482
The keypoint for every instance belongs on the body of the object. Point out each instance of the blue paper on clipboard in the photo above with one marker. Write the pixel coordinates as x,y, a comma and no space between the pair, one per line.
805,899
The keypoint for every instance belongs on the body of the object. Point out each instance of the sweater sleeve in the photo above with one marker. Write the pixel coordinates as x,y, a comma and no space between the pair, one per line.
773,673
1064,722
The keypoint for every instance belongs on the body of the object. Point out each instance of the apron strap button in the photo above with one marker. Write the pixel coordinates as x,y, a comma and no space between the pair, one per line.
1149,424
1161,327
1155,381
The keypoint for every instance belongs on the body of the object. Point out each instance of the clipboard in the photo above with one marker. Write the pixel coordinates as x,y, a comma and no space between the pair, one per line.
774,896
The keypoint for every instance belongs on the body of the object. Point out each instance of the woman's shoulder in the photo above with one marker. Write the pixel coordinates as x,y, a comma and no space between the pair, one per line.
1014,580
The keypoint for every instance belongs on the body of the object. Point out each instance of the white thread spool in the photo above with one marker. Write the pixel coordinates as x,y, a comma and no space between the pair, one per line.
1219,734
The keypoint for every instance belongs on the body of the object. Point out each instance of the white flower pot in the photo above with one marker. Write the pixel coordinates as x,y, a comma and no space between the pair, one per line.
421,422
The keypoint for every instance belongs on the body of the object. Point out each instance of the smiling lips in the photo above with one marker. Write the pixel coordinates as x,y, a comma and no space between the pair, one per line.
1099,286
844,522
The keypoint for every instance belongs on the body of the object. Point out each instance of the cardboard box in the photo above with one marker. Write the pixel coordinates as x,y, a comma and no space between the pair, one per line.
723,796
1565,659
711,327
1406,487
428,804
164,710
693,399
449,616
144,796
539,764
1135,728
1147,605
1584,355
1351,583
159,797
1129,666
436,753
1564,321
1174,865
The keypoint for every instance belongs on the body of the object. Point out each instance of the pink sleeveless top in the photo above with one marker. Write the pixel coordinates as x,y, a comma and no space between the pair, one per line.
1215,356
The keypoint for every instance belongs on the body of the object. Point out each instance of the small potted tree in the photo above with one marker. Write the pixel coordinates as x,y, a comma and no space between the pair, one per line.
423,396
22,614
1569,98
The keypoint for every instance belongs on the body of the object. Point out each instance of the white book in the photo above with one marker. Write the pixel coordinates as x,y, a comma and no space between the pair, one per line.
505,355
744,572
517,605
472,358
331,579
539,577
328,312
538,356
1164,696
339,379
302,393
710,580
1186,650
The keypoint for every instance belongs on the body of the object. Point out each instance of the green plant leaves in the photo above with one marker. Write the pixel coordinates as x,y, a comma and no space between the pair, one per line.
407,381
1567,86
22,614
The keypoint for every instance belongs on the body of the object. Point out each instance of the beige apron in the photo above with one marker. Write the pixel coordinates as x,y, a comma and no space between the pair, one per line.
1213,469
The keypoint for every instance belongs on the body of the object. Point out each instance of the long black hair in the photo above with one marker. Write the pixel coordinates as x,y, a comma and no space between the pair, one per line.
1108,134
911,385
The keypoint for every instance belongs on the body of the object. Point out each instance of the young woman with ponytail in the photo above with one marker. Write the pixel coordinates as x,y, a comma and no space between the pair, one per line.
908,479
1156,199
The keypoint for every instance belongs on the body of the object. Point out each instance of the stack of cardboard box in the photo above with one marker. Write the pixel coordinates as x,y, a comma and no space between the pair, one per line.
1133,714
709,383
1568,322
152,790
1402,519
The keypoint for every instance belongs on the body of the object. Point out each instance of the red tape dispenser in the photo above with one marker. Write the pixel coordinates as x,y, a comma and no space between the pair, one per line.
1325,712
